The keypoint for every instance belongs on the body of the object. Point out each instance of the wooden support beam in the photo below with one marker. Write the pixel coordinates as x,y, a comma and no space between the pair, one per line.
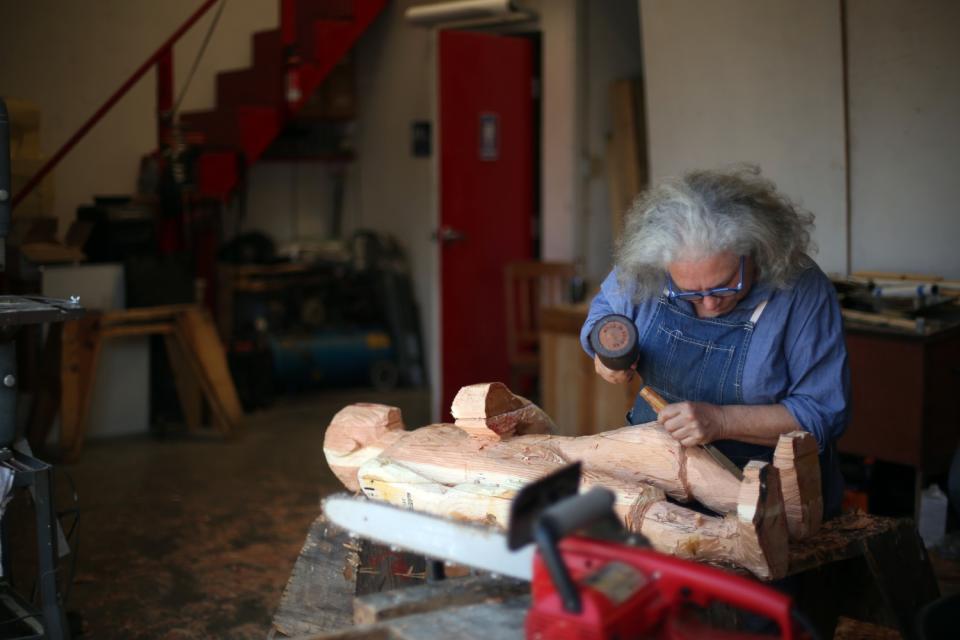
197,358
188,386
455,592
81,346
201,344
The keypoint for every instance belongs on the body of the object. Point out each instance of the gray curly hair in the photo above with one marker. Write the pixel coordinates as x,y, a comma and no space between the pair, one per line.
709,212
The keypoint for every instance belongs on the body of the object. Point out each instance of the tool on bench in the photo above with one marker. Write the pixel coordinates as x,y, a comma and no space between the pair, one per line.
614,339
603,583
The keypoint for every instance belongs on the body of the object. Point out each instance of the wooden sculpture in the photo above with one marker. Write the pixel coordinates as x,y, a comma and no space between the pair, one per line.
471,471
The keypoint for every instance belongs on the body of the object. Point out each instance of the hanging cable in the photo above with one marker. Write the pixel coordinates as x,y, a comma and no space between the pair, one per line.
197,58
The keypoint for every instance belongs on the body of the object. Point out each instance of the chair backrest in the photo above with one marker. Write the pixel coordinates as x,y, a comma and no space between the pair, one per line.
529,286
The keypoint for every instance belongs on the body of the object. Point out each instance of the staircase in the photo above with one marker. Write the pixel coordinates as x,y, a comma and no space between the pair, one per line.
254,104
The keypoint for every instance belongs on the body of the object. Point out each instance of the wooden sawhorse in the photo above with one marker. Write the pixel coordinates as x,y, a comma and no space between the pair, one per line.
70,361
858,566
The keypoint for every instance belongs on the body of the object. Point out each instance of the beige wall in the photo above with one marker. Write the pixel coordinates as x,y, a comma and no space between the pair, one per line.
758,81
611,51
905,135
68,57
752,81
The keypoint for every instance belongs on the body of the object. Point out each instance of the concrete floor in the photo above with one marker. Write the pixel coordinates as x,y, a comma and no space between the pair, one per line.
195,538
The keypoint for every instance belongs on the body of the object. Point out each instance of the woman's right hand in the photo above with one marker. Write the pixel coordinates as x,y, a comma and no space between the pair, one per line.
611,376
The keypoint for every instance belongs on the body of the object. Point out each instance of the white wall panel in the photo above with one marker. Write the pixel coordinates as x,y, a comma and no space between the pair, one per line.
905,135
752,81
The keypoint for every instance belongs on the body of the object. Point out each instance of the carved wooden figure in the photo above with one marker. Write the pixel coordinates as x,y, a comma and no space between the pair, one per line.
473,469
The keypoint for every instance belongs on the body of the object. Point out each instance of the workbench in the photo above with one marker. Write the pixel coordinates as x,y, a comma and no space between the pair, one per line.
858,566
904,397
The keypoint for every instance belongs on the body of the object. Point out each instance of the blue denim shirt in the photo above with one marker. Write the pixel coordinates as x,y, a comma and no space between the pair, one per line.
797,356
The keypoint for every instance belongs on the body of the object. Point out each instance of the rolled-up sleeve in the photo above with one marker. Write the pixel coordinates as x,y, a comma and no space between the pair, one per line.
818,396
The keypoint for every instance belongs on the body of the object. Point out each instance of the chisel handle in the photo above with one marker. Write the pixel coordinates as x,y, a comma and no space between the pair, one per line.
654,399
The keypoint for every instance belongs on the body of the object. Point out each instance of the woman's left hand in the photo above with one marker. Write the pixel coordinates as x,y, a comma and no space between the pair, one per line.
693,423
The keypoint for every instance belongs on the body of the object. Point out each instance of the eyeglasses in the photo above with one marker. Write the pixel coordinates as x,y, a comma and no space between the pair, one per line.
695,296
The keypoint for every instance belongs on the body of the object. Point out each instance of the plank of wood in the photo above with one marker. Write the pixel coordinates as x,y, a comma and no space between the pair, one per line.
453,592
147,329
200,342
561,380
79,357
882,320
888,275
319,594
503,621
46,398
627,157
188,387
144,314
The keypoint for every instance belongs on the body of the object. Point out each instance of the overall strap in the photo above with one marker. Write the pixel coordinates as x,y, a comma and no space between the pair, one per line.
758,311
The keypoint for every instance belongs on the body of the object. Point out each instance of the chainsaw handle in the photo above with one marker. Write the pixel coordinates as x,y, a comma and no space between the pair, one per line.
678,580
576,512
702,585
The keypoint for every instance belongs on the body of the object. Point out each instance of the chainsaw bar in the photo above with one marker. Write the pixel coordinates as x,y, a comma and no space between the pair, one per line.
434,537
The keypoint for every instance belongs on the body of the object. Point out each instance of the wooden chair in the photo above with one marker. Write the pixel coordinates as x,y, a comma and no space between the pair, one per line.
530,286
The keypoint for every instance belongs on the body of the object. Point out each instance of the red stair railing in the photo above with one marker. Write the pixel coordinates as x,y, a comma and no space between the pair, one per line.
163,59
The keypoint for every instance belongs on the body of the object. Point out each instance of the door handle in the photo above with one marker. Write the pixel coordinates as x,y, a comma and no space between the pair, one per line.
449,235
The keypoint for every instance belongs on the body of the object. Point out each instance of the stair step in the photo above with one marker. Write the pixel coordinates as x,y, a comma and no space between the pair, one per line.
218,174
365,11
310,11
260,85
267,48
249,128
332,39
250,109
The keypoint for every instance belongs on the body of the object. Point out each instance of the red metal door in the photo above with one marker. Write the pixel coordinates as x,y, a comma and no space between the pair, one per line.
486,198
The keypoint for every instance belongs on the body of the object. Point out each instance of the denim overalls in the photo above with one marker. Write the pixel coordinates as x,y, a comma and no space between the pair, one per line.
684,357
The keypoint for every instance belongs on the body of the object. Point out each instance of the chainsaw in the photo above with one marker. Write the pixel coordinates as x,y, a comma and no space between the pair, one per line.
602,583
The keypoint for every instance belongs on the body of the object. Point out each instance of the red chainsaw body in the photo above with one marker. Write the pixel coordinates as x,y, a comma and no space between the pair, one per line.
631,593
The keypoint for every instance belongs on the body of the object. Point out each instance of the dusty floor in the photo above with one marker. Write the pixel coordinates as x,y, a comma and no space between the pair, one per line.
195,538
187,537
